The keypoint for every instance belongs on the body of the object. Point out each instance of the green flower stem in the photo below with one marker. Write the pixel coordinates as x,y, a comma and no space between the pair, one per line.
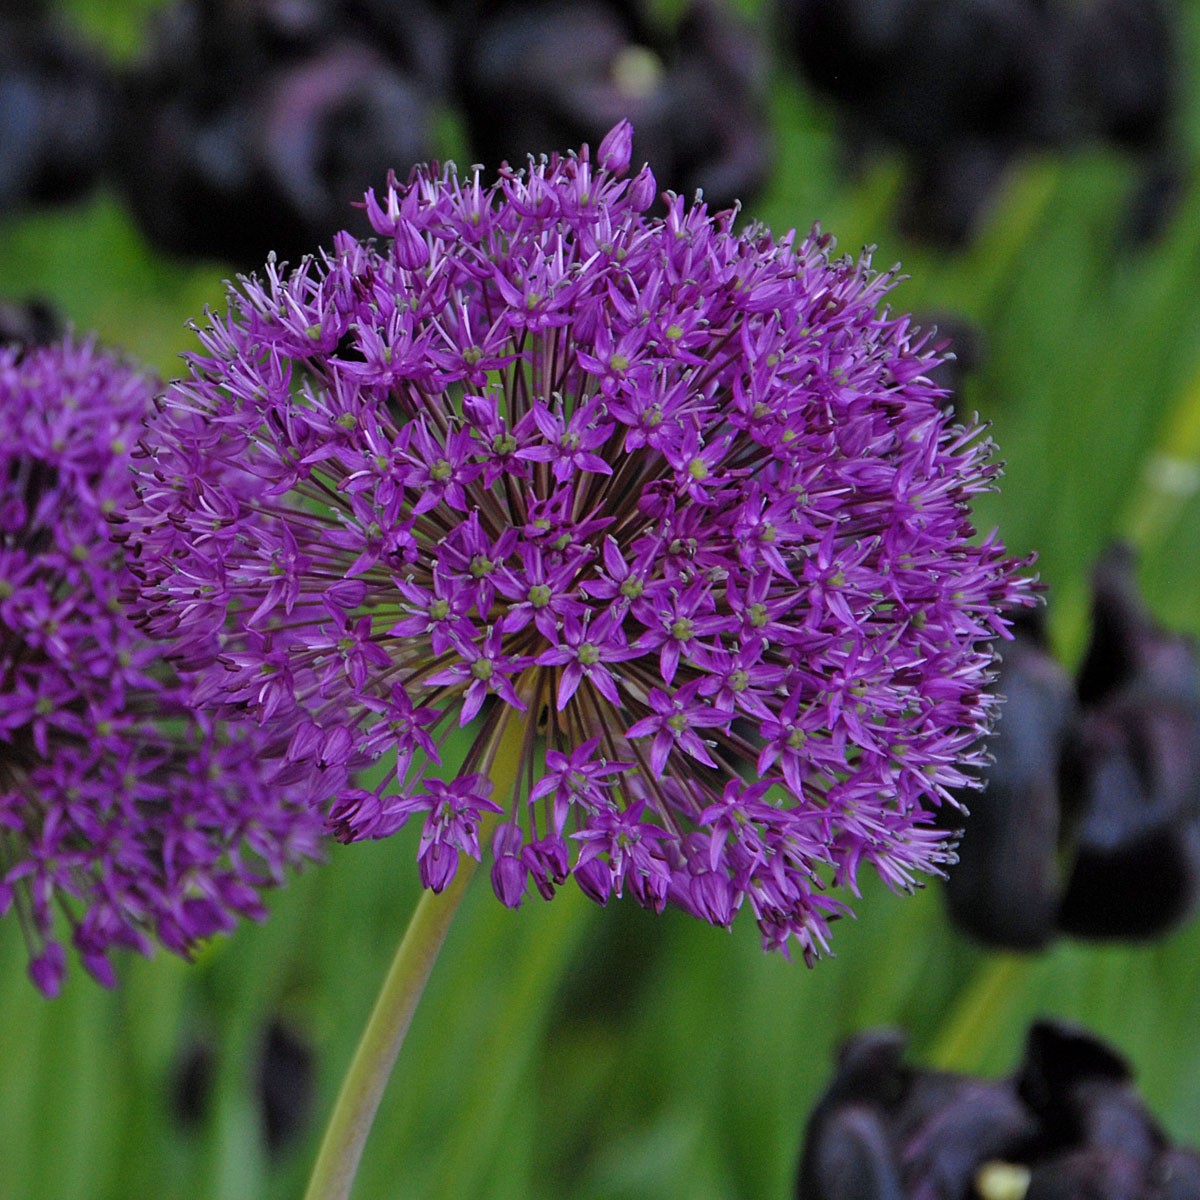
362,1088
972,1025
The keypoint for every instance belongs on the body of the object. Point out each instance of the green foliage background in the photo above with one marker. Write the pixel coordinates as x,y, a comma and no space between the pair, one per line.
565,1051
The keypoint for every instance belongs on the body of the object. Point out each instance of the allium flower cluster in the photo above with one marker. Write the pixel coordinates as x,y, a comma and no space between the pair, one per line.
671,510
123,816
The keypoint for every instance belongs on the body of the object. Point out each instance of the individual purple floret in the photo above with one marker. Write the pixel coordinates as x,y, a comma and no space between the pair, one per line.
668,511
124,818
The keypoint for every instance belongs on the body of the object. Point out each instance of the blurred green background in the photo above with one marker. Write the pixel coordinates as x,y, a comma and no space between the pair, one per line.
566,1051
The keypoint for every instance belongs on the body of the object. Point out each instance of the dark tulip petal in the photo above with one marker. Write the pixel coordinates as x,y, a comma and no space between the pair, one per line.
1129,886
848,1156
1087,1175
192,1083
1119,623
538,75
1004,888
1132,770
960,87
32,323
254,126
1113,1118
331,124
848,1153
286,1081
951,1125
871,1067
951,190
1058,1058
1175,1175
56,111
1123,61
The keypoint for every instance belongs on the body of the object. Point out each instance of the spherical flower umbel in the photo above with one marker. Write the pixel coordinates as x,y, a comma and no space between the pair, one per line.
124,817
672,510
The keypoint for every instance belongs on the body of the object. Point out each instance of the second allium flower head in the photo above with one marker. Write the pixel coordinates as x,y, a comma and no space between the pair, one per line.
670,510
126,818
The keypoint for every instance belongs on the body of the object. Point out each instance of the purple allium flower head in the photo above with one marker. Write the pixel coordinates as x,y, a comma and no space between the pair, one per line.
123,816
674,509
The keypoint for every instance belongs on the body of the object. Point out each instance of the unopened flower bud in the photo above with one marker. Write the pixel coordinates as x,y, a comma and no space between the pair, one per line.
509,873
615,148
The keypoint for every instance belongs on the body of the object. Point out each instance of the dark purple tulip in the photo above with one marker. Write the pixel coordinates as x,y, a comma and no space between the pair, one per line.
963,87
1090,823
959,86
255,127
285,1086
1004,889
1133,769
541,75
1124,71
56,99
1068,1122
848,1147
951,188
29,323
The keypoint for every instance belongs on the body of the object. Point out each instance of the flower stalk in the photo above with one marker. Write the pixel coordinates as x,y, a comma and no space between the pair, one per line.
385,1031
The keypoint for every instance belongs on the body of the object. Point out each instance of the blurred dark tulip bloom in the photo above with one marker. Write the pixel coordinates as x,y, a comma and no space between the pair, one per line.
192,1083
56,111
1126,91
1068,1124
540,75
1090,822
962,87
286,1082
254,126
1004,889
29,323
1132,770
